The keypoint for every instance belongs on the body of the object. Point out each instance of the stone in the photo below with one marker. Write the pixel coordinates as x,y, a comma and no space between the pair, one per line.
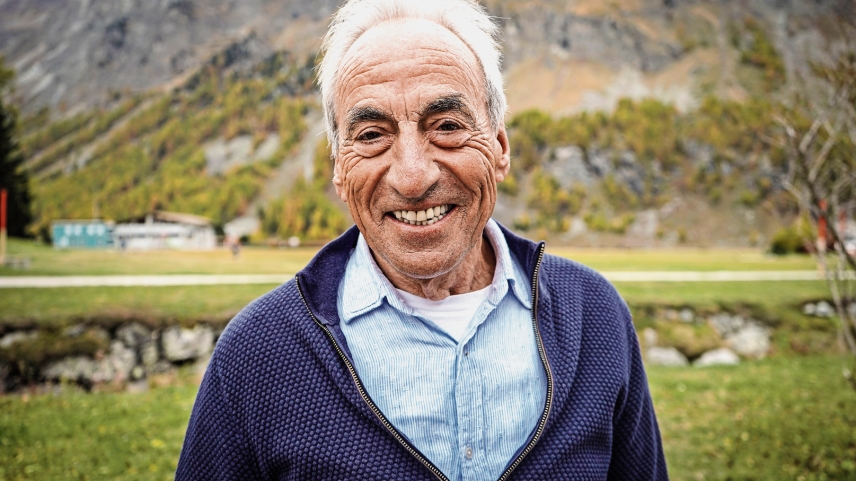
645,225
824,309
149,355
138,373
686,315
15,337
187,344
809,309
160,367
724,323
121,359
71,369
222,155
268,147
116,365
665,356
134,334
100,333
751,340
74,331
851,309
717,357
137,386
671,314
569,167
649,337
578,227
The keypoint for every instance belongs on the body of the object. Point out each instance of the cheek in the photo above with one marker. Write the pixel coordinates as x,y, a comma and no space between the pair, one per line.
362,178
473,169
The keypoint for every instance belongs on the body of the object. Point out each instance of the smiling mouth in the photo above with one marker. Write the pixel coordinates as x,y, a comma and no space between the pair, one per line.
423,217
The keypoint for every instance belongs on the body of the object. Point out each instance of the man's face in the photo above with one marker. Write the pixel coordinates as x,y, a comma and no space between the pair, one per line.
415,140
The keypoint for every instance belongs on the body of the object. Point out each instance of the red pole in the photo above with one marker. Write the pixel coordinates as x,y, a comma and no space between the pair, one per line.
3,209
3,227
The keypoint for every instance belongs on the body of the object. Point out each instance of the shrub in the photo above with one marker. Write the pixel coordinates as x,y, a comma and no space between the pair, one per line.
554,204
786,241
509,185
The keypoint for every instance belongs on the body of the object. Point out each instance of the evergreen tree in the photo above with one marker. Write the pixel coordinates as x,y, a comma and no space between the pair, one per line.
13,178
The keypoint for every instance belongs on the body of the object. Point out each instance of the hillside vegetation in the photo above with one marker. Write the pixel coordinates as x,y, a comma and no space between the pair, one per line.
90,166
644,171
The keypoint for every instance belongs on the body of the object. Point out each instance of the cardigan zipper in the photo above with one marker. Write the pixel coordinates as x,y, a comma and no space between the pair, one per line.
428,464
543,354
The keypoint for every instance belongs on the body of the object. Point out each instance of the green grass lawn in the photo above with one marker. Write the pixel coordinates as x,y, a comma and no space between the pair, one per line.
782,418
770,294
46,261
259,260
684,259
218,303
153,305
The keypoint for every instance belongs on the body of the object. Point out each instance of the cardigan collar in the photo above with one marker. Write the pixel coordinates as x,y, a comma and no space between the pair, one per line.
319,280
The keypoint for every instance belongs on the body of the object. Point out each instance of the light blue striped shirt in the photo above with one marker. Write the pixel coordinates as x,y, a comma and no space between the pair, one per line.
466,406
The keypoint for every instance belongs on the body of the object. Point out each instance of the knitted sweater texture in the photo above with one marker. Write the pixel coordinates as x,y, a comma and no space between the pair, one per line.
281,401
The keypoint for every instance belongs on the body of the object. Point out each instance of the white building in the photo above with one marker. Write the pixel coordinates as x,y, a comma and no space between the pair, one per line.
165,230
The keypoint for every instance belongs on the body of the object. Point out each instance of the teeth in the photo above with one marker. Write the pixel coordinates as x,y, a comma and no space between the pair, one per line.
422,217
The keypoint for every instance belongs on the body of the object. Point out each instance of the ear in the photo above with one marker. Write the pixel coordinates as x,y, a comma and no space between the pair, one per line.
339,181
503,155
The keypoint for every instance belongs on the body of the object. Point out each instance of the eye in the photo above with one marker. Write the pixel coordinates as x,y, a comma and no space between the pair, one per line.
448,127
368,136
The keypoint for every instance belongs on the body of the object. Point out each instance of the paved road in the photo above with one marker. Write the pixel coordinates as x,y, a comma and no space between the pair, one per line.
215,279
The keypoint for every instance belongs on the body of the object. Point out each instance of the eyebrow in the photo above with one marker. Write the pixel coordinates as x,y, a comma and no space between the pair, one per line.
455,102
358,115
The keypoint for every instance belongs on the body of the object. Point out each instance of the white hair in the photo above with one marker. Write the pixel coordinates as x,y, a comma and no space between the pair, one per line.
465,18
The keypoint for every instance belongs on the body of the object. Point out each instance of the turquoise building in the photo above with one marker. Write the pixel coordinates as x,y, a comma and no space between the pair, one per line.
82,234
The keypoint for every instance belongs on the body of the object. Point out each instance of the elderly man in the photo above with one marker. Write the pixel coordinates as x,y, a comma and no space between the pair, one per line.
427,342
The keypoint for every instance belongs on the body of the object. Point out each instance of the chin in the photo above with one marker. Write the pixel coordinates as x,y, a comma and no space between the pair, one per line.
423,265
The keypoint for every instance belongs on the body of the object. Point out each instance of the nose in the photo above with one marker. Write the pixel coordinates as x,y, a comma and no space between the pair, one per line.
412,172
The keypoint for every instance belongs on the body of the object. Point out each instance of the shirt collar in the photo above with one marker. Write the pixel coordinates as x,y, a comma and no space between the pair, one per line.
364,286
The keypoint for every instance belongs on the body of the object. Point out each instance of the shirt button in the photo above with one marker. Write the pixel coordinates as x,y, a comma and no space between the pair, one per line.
469,453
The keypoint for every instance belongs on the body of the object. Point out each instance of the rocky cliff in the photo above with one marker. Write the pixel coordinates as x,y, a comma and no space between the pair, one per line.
560,56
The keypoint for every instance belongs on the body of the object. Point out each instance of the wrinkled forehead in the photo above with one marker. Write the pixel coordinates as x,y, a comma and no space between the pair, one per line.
412,57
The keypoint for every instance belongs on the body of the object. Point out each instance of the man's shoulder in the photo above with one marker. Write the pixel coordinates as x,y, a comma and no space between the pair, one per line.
575,280
262,318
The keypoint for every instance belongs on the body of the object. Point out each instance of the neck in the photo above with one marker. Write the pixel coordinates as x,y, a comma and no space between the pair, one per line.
474,272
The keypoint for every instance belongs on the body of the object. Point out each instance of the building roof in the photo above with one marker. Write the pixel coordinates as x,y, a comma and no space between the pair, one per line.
181,218
172,217
81,221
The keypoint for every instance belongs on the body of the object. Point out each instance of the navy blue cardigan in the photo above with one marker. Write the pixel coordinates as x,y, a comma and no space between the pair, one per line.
281,400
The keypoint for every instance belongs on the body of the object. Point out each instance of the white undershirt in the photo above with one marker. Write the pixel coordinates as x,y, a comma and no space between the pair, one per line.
453,314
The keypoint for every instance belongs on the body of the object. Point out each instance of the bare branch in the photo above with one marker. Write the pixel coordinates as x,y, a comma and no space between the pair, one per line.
809,136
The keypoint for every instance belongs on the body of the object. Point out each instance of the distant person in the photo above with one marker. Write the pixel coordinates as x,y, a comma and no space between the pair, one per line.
234,244
428,342
236,248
